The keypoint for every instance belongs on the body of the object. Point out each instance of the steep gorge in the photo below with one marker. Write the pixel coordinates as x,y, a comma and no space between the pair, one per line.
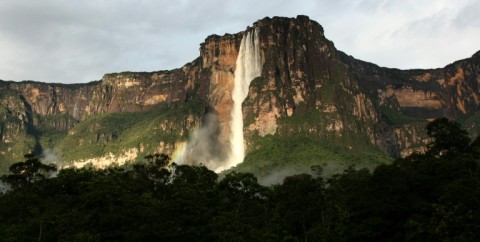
305,91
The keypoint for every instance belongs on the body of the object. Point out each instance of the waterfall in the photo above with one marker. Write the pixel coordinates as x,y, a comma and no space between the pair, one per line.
248,67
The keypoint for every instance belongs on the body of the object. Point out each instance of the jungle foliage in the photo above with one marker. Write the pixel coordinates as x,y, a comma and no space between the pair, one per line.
424,197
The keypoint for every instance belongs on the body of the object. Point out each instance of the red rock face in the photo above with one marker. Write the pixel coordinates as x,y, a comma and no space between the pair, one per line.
451,91
219,56
304,78
115,93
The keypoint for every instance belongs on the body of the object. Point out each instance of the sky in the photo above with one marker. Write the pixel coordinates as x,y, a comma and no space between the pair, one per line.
79,41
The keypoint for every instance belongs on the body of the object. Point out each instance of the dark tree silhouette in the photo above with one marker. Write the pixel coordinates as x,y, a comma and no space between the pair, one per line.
28,171
448,137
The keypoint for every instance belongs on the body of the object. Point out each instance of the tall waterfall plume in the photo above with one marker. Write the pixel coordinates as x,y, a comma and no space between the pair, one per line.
203,147
248,67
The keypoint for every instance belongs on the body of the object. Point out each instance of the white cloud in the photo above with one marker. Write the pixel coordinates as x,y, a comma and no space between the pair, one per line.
410,34
79,41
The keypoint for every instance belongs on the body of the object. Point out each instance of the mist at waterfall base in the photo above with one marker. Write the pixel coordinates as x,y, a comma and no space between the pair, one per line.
204,146
4,188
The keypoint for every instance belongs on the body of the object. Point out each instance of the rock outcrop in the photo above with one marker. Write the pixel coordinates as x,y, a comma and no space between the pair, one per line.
307,87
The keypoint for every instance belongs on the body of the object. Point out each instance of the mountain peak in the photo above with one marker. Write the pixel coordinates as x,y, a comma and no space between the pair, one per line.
299,20
476,55
272,23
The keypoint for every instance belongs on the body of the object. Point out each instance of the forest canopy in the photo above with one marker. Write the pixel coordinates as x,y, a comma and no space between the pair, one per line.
433,196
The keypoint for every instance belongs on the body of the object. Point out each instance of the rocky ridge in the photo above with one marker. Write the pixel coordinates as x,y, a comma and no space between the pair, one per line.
307,88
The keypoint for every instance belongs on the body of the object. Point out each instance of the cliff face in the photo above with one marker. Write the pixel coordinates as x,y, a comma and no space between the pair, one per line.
124,92
408,98
450,92
307,88
303,76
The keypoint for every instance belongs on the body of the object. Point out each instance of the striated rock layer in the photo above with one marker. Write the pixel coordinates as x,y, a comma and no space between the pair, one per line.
306,87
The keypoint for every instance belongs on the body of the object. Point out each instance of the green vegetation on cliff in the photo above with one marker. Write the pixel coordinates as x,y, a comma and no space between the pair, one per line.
274,157
117,132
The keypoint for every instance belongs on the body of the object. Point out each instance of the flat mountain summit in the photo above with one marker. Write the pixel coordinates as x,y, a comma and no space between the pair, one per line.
305,104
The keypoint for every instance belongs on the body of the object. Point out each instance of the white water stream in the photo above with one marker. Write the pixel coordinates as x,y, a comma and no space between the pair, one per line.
248,67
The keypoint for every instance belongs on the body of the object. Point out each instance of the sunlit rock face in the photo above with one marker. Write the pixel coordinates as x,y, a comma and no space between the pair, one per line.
219,57
293,82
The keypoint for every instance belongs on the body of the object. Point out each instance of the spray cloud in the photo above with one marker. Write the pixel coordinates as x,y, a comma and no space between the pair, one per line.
204,146
50,157
4,188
